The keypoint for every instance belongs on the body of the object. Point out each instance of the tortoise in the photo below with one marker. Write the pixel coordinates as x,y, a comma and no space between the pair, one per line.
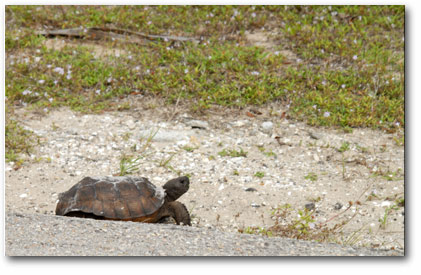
125,198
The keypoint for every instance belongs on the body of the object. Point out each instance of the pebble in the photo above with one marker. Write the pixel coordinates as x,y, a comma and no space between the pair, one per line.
166,135
385,203
338,206
239,123
250,189
310,206
314,135
267,127
197,124
131,124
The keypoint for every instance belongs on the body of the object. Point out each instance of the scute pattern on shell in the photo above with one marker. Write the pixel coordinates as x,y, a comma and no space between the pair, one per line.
112,197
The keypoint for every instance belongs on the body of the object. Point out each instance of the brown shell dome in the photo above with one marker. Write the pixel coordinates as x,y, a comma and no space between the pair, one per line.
112,197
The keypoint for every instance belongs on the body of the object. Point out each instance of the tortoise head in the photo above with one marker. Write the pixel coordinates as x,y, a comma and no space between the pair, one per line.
176,187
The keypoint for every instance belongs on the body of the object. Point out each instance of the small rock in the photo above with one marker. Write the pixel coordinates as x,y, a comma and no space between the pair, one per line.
255,205
131,124
386,203
198,124
165,135
23,195
314,135
239,123
251,189
310,206
338,206
267,127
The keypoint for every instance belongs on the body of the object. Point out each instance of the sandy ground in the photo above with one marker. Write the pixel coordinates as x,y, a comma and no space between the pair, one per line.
226,193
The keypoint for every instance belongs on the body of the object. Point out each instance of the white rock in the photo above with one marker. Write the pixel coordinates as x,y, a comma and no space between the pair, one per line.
386,203
239,123
131,124
267,127
23,195
198,124
165,135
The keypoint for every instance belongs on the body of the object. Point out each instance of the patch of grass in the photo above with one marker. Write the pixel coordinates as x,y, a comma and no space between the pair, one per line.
346,69
165,161
384,220
233,153
400,141
344,147
302,224
126,136
129,165
311,176
18,141
266,153
389,175
189,148
357,52
259,174
256,230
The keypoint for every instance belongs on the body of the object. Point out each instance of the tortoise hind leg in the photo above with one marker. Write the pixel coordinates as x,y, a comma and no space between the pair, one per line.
177,210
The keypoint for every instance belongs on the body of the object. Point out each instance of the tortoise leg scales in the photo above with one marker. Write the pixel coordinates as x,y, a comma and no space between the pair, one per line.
178,211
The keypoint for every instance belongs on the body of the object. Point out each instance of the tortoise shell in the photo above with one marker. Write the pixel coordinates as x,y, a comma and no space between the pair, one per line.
120,198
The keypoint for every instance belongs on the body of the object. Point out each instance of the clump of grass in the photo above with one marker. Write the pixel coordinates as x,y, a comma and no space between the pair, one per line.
302,225
389,175
259,174
129,165
344,147
18,141
266,153
189,149
233,153
384,220
311,176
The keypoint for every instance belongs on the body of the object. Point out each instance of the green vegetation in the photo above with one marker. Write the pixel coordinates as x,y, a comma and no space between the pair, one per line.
344,147
233,153
259,174
311,176
339,66
129,165
18,141
266,153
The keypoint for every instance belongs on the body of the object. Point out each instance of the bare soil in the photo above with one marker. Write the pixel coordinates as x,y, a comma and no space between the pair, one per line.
370,173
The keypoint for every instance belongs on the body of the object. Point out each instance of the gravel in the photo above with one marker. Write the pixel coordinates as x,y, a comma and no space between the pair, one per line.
225,193
47,235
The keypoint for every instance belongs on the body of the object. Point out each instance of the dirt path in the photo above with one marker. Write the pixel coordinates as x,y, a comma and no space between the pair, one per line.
46,235
303,166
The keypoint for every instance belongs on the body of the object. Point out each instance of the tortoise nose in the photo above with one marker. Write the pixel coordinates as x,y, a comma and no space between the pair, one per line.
184,180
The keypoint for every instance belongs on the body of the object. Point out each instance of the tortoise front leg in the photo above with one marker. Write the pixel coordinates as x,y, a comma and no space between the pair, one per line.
177,210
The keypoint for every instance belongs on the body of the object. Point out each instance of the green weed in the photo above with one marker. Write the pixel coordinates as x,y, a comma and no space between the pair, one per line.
233,153
311,176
